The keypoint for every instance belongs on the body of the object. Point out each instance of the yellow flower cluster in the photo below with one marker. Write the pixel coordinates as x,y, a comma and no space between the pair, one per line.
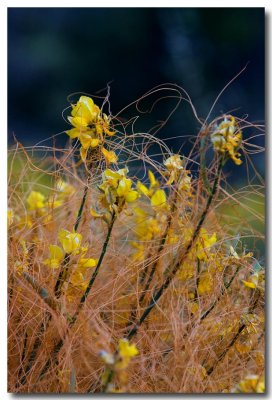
36,201
174,166
71,244
116,190
146,228
148,223
157,196
226,139
201,251
90,126
126,353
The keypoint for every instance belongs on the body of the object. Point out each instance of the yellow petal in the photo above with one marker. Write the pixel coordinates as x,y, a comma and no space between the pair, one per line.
127,350
35,200
158,198
95,142
110,156
88,262
55,252
142,188
83,153
124,187
73,133
250,285
131,196
152,179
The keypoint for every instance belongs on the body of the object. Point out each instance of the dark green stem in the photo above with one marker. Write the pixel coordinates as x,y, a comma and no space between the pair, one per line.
177,265
203,169
178,262
65,266
234,339
61,279
102,255
59,345
206,313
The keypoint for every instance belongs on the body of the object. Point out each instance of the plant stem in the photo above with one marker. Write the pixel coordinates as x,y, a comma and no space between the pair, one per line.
102,255
178,262
59,345
154,266
177,265
234,339
65,266
61,279
206,313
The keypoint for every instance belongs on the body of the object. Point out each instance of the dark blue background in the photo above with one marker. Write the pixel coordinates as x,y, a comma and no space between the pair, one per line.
53,52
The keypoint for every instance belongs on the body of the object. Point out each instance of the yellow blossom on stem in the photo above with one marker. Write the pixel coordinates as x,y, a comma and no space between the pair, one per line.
89,127
124,190
110,156
174,166
159,198
227,138
205,283
70,241
87,262
117,187
36,200
146,227
154,184
139,254
126,352
56,256
204,243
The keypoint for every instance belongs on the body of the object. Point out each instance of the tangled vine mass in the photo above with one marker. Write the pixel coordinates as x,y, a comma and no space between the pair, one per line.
123,276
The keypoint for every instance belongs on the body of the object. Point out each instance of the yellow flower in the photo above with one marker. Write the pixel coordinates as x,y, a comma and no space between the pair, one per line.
146,227
110,156
88,140
87,262
173,165
126,352
35,200
139,254
252,283
193,307
116,186
158,199
89,126
227,139
84,113
153,185
124,190
70,241
56,256
203,244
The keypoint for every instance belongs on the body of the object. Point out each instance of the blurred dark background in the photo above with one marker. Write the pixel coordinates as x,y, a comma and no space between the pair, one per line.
53,52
